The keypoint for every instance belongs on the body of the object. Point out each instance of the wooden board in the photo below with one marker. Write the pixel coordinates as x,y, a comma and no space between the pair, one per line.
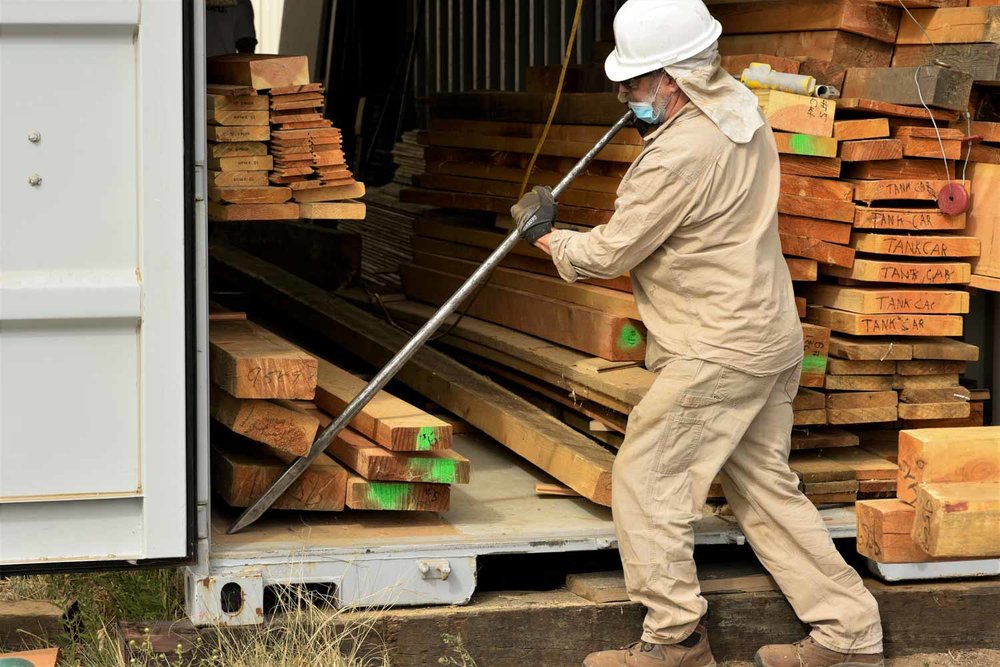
237,133
952,25
813,229
815,350
827,209
911,245
931,148
958,520
825,253
873,107
628,136
941,87
249,361
866,466
330,193
930,367
929,411
887,325
604,587
984,217
805,144
935,455
566,455
981,61
812,468
847,347
860,367
956,394
377,464
878,300
900,189
609,337
332,211
241,479
802,269
237,117
816,188
861,415
806,165
858,382
397,496
861,399
945,348
816,417
249,195
571,197
613,302
280,427
925,381
230,90
909,273
236,148
573,109
237,179
871,149
807,399
905,169
387,420
570,214
907,219
287,211
875,21
797,113
823,439
831,45
864,128
258,71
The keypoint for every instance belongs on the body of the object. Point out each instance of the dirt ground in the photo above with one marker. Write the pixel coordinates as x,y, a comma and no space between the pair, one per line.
982,658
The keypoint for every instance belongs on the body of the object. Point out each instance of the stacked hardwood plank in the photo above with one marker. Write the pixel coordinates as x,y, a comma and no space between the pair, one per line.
269,400
947,503
302,159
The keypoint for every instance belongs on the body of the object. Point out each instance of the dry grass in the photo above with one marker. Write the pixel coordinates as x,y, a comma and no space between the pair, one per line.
304,632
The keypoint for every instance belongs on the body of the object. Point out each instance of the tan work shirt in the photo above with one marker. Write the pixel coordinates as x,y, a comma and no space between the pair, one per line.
696,223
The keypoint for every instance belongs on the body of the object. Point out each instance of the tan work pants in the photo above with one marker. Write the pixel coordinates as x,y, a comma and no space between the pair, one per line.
698,419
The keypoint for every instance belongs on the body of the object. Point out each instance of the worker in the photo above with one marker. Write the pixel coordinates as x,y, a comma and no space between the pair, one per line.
696,224
229,27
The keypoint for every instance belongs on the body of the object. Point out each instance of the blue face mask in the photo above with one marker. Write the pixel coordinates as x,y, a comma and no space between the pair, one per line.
644,111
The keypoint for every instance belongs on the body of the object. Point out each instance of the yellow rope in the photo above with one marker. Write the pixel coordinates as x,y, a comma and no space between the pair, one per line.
555,100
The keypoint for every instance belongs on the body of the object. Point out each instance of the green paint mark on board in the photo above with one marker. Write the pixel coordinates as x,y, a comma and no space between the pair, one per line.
388,495
806,144
426,438
813,364
437,471
629,338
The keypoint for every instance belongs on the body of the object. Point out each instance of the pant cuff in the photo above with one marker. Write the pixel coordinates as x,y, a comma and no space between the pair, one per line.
849,647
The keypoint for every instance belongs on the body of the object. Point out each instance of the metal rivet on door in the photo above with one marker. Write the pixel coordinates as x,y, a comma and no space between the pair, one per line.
34,180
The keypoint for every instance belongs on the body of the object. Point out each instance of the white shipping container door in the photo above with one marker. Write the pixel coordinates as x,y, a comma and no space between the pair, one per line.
92,281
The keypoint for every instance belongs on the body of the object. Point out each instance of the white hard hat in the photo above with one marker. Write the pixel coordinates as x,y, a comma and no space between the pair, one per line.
651,34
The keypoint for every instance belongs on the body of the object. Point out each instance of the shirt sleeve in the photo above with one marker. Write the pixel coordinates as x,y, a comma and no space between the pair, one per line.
652,203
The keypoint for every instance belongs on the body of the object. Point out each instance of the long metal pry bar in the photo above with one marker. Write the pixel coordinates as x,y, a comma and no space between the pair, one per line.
297,467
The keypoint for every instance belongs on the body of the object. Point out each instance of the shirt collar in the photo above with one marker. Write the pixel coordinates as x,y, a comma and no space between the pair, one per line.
689,109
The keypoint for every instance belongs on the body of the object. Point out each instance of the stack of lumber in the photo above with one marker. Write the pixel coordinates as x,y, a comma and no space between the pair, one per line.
269,400
302,160
948,499
408,156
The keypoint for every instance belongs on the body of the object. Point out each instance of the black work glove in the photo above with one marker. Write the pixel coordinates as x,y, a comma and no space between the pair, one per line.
534,213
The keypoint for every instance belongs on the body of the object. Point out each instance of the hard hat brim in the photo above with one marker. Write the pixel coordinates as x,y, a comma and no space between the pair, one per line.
618,71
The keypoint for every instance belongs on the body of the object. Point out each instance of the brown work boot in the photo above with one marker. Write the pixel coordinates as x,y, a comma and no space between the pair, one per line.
692,652
807,653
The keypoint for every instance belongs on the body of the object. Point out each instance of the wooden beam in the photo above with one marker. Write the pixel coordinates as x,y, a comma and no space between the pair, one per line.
397,496
981,61
258,71
865,128
934,411
465,200
887,325
387,420
984,217
925,381
951,25
931,367
945,348
874,107
823,438
956,394
907,219
340,210
901,189
815,351
906,169
862,399
566,455
871,149
831,45
881,300
573,109
805,144
807,165
823,252
802,269
235,148
958,520
847,347
249,361
910,273
864,464
803,114
224,212
884,532
604,335
241,179
916,246
860,367
816,188
330,193
811,228
236,117
278,426
378,464
585,198
940,87
241,478
866,383
827,209
241,195
868,19
237,133
932,455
